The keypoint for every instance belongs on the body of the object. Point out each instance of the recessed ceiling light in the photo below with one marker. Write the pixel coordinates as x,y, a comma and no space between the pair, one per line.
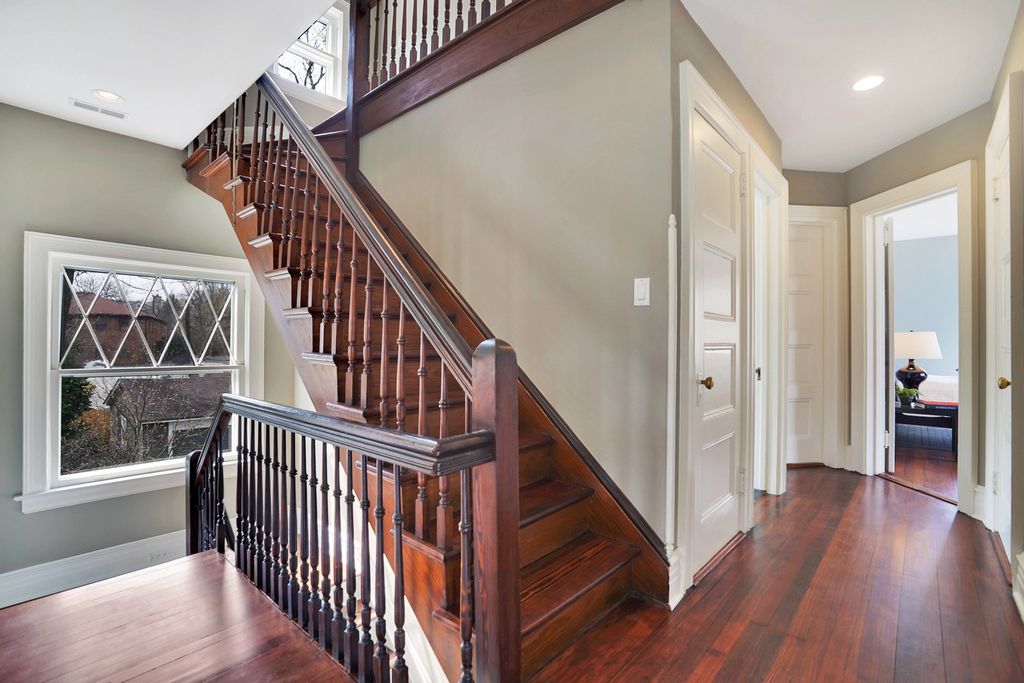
107,96
867,83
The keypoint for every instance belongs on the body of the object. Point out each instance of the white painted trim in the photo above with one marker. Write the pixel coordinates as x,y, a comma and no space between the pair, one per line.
868,390
672,399
70,572
768,179
44,255
834,379
697,96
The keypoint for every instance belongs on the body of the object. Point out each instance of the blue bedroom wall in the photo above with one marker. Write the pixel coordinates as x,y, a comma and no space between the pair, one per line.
925,296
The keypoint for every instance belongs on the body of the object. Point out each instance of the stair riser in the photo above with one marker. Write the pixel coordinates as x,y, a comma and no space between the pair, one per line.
534,465
551,532
549,639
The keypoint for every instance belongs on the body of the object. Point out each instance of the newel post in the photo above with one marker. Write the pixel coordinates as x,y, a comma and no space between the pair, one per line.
496,515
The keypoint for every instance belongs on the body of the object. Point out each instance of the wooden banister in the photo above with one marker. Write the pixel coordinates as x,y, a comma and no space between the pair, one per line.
438,328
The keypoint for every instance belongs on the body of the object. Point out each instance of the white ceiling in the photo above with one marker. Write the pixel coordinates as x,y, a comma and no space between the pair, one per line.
935,217
177,63
799,58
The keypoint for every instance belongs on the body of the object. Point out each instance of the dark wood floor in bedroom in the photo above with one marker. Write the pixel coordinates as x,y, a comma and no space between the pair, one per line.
925,458
843,578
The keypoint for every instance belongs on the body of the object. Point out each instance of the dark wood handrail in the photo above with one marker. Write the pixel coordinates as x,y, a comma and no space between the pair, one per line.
438,328
436,457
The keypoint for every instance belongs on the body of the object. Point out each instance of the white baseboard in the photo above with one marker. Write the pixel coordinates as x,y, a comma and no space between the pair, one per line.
70,572
1018,583
678,582
982,508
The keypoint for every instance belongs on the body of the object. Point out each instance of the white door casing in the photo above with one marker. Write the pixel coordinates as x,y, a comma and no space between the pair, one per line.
816,335
717,234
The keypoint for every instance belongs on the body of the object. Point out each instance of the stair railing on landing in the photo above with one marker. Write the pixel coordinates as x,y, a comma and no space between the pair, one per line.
310,490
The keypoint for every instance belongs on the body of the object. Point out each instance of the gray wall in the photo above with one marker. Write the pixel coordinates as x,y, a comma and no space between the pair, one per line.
816,188
67,179
925,296
542,188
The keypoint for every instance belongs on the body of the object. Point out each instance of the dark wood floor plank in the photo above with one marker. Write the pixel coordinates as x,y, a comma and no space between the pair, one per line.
192,619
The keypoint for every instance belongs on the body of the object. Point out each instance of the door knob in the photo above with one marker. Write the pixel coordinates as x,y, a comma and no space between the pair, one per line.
1003,383
708,382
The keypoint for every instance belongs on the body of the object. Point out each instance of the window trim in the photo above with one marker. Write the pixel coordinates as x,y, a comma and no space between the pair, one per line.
45,257
336,61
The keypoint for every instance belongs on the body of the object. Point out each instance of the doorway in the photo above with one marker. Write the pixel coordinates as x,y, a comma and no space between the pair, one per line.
873,356
922,345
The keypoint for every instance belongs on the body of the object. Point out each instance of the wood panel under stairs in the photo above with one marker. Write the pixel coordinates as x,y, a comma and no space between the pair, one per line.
583,553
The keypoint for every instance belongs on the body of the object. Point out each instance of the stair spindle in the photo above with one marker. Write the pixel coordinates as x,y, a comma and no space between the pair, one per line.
446,32
403,61
365,639
351,629
254,507
326,301
422,504
259,571
393,63
275,147
399,670
241,499
290,229
275,519
282,513
381,659
445,513
460,24
434,37
385,360
326,611
313,606
339,288
471,14
350,372
423,33
466,615
267,569
293,536
400,371
314,248
304,270
485,9
337,593
259,143
364,395
375,71
304,547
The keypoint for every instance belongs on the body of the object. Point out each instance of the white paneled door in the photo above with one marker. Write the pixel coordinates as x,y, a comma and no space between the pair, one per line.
717,260
1000,389
805,363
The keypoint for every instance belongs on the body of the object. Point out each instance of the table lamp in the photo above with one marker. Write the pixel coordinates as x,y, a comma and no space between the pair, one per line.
914,345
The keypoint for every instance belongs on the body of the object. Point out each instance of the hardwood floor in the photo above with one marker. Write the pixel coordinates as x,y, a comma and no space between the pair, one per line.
925,458
195,618
843,578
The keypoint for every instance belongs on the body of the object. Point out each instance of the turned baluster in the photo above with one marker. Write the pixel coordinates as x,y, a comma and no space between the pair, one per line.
399,670
499,5
471,15
304,272
284,219
326,302
233,148
337,626
466,583
313,607
282,513
423,31
365,639
315,275
304,547
253,503
364,393
445,512
393,63
273,152
400,371
267,576
296,233
339,289
460,24
292,590
241,519
259,572
350,372
403,63
351,630
377,68
385,361
422,504
446,32
241,129
434,38
326,611
222,132
485,9
256,164
275,519
381,659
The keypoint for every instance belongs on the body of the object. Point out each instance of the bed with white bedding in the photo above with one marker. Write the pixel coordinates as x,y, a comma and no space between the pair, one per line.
940,389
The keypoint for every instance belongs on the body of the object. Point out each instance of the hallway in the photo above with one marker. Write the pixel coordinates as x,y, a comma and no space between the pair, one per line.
843,578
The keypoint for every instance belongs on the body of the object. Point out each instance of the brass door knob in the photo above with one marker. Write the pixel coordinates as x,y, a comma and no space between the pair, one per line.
708,382
1003,383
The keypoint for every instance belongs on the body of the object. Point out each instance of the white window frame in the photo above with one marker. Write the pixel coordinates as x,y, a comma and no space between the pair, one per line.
336,61
46,256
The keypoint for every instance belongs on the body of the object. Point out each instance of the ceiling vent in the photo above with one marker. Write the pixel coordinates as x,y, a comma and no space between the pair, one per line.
99,110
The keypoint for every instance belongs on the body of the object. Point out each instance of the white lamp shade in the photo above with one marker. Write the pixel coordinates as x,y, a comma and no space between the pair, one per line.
917,345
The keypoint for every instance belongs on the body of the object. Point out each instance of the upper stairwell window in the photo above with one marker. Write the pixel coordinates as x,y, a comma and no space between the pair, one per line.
315,63
127,352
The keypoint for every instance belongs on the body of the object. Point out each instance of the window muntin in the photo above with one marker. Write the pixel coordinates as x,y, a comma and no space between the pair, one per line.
315,61
126,340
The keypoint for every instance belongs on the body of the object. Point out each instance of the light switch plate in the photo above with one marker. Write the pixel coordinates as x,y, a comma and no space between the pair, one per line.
642,291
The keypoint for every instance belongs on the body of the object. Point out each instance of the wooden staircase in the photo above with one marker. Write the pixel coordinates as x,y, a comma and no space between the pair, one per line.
346,283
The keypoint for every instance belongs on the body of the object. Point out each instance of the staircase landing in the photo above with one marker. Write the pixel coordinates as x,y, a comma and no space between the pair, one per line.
196,618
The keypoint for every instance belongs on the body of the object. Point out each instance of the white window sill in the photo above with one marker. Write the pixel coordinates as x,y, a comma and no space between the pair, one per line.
317,99
78,494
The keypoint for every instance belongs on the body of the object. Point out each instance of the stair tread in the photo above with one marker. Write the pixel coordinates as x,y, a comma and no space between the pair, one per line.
559,578
542,498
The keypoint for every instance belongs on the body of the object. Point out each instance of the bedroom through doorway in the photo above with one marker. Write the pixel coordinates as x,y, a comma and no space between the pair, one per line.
922,336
